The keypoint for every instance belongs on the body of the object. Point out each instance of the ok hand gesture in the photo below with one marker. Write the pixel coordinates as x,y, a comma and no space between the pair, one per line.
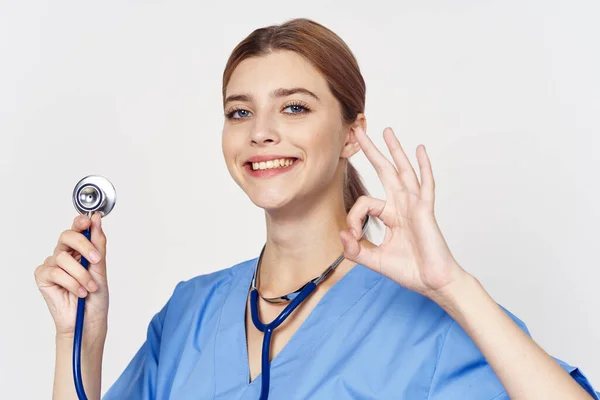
414,252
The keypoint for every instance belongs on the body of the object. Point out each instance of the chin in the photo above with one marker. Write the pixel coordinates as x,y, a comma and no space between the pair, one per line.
270,200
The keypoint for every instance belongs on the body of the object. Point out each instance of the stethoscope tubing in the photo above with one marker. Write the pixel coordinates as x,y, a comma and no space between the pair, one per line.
79,334
267,329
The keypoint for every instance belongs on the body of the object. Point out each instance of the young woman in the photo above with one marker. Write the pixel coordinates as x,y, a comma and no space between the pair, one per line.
401,320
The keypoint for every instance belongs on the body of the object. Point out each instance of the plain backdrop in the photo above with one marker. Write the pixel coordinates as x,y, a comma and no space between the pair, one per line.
504,94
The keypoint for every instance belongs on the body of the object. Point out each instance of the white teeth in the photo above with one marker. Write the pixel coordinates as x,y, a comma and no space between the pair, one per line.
277,163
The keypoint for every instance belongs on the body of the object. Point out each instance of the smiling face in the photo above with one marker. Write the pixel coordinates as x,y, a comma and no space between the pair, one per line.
284,139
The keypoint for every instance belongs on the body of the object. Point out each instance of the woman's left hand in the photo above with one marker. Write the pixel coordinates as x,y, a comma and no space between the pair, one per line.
414,252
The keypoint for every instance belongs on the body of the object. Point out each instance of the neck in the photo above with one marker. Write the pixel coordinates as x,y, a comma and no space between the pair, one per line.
301,245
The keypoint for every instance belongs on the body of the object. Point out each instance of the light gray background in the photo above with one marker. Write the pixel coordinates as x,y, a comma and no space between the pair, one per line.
504,94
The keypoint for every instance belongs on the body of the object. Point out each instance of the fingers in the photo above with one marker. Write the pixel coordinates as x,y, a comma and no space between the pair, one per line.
408,176
405,176
384,168
358,252
81,223
70,239
66,262
427,180
353,249
48,276
364,205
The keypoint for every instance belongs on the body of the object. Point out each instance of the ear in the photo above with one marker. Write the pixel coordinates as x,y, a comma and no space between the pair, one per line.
351,146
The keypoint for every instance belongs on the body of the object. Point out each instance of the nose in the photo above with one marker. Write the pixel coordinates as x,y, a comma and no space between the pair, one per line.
264,132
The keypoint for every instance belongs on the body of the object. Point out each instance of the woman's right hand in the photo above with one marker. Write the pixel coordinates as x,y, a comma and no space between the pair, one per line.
62,279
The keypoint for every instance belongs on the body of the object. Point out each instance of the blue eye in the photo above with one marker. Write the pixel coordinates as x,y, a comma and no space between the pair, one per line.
296,109
241,113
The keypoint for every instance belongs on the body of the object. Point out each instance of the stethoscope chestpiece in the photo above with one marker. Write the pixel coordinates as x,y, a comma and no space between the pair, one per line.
94,193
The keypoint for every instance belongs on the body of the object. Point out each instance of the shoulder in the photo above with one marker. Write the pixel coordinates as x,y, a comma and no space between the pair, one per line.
412,308
211,280
205,284
207,289
421,308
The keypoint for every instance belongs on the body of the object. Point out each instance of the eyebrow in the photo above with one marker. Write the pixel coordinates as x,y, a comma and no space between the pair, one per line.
281,92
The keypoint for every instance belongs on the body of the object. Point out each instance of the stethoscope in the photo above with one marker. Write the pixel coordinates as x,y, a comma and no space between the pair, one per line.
294,298
95,193
92,193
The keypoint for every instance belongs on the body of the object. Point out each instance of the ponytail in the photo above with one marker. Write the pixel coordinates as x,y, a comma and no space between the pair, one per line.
353,186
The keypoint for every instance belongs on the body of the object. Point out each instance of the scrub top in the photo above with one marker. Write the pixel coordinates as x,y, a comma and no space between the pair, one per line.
367,338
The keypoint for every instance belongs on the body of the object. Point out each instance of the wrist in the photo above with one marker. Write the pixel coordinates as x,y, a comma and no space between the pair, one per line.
91,341
454,296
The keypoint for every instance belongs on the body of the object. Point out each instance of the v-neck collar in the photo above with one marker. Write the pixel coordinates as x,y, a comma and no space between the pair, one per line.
232,371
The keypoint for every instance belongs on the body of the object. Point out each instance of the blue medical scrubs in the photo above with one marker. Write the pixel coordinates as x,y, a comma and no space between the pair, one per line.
367,338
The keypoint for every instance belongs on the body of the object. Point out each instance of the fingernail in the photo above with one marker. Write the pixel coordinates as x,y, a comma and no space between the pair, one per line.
94,256
92,286
355,233
82,292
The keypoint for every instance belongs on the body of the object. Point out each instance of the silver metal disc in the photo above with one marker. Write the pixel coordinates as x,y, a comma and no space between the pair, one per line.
94,193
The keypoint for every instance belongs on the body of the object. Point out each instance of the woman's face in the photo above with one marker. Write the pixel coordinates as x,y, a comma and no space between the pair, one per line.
283,135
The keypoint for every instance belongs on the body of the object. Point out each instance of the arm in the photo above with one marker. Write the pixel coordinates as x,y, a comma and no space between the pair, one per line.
415,254
91,369
525,370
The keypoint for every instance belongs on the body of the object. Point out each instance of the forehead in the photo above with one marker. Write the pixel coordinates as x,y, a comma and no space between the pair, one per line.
280,69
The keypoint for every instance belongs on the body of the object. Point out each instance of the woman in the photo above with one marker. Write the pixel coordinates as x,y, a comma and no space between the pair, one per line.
401,320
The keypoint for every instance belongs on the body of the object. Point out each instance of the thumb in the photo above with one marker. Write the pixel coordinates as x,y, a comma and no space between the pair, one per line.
357,252
98,237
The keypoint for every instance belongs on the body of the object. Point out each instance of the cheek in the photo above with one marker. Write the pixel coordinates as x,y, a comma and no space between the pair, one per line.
230,147
229,141
323,148
327,140
324,135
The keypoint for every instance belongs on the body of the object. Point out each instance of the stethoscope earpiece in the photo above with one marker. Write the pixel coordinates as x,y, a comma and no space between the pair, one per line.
94,193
